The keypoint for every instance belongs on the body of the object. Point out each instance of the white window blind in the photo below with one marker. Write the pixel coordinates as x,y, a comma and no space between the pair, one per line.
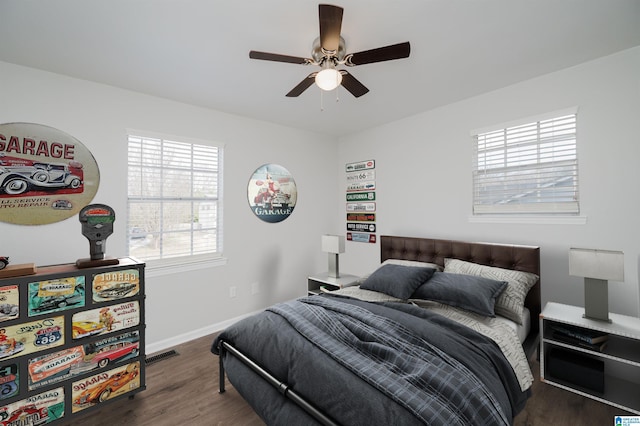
173,198
529,168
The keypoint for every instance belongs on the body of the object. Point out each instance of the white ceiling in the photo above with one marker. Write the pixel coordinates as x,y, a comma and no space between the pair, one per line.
197,51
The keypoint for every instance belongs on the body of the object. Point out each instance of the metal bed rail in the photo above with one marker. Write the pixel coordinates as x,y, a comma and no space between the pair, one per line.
284,389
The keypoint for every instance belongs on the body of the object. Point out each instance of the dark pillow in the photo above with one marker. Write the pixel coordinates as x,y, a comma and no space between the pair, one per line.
472,293
510,304
397,280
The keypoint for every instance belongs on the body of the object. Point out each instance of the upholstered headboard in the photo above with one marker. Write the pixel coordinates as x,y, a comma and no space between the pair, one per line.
507,256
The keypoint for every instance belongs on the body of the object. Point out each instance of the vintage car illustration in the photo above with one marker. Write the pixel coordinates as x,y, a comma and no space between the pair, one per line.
86,328
58,302
19,175
4,261
8,311
8,350
46,366
26,415
114,352
114,291
102,391
271,193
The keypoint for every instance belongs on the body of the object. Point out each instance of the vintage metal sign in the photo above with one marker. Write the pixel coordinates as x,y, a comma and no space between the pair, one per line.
56,295
62,365
361,176
361,186
115,285
361,207
361,237
362,227
46,175
361,196
54,367
107,385
9,381
272,193
9,302
360,165
38,409
30,337
105,320
361,217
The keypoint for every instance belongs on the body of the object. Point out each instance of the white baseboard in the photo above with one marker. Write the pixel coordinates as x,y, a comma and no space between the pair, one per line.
163,345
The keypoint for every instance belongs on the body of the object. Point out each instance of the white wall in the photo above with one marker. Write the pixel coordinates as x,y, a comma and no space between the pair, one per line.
276,256
423,173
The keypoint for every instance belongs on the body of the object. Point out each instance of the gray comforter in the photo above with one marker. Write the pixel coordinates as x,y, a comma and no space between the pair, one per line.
365,363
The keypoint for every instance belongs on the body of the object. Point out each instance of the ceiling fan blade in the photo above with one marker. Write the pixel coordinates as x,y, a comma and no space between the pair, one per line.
330,25
387,53
303,85
265,56
352,84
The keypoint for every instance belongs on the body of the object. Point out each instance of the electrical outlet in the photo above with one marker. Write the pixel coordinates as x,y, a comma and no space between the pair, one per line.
233,291
255,288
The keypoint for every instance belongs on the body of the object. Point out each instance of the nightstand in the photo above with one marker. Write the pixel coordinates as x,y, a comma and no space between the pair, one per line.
323,279
608,371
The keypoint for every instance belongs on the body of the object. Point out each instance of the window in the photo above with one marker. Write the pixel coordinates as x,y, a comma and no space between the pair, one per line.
174,204
527,168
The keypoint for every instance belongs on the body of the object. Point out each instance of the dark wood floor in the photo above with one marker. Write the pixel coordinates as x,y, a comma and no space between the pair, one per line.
183,389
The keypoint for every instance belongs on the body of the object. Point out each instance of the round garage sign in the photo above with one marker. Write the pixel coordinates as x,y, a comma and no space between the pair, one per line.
46,175
272,193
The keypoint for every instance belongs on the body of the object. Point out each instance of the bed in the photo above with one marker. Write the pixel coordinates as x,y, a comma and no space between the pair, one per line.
388,353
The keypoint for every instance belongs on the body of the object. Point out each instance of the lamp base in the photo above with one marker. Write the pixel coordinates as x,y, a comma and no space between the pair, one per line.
596,299
334,267
607,320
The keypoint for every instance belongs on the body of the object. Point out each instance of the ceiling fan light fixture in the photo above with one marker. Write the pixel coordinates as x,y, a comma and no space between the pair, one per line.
328,51
328,79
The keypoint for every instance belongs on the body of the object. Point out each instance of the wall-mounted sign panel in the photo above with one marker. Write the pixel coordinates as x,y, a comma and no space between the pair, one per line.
272,193
360,237
361,217
46,175
360,165
361,207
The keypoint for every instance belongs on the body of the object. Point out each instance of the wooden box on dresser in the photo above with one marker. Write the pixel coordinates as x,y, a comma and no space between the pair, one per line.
607,370
70,339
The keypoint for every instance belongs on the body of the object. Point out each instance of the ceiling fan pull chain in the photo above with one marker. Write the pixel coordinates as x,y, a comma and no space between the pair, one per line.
321,99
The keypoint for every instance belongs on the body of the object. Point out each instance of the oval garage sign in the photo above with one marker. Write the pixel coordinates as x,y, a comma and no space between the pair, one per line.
46,175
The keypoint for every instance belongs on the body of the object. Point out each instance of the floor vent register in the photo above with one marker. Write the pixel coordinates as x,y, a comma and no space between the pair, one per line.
159,357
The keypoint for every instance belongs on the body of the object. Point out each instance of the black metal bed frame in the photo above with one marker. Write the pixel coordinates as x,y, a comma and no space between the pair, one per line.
523,258
282,387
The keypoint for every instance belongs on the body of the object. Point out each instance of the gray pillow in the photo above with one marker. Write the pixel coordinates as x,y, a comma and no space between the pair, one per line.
510,303
475,294
397,280
404,263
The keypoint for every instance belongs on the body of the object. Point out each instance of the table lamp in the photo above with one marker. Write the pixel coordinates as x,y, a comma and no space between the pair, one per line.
596,266
334,245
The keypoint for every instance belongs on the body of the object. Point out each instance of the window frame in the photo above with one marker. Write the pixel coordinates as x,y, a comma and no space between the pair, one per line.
566,211
196,261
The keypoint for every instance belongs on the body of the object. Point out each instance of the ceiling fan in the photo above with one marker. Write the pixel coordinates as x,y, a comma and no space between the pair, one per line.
328,51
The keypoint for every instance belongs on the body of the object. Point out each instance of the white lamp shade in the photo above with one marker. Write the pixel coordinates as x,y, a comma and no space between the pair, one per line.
599,264
328,79
333,243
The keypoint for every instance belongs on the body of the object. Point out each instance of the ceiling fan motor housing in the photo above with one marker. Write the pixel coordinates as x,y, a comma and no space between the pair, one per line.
319,55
